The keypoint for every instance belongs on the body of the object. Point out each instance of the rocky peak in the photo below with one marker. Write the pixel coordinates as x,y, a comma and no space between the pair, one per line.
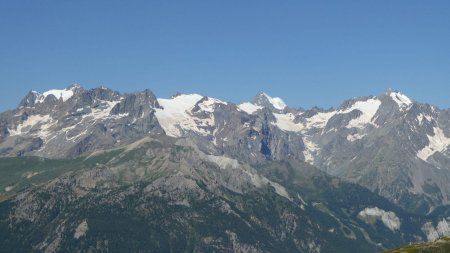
136,104
52,96
403,102
29,100
264,100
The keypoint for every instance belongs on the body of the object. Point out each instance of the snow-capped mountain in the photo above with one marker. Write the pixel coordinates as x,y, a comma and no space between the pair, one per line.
192,164
389,143
73,121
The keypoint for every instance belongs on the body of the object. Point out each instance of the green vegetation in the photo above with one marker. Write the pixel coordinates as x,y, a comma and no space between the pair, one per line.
441,245
18,173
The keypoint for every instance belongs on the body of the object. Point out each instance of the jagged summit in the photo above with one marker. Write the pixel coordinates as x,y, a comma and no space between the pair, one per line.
401,99
262,99
63,94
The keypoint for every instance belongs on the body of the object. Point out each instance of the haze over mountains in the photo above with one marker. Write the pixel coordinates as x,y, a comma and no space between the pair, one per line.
368,175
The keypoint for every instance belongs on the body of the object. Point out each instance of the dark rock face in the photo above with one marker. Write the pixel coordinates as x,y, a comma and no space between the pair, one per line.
85,121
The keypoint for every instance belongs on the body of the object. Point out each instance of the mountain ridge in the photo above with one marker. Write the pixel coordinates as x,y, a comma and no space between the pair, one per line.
374,166
87,120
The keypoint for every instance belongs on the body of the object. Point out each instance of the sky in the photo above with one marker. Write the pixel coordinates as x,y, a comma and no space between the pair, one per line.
306,52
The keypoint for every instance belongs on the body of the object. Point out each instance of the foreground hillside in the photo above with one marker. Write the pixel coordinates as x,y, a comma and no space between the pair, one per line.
159,195
439,246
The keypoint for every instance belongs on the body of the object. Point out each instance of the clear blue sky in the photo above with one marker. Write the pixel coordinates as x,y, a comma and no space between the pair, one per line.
307,52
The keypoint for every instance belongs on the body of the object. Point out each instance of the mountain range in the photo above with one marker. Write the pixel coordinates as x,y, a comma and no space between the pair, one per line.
195,173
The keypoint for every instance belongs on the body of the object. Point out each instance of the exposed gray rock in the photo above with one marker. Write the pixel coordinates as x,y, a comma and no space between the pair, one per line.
390,144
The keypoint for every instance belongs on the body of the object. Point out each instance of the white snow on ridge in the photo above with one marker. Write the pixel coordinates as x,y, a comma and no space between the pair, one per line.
43,126
102,112
310,150
286,122
421,117
437,143
319,120
176,115
368,108
354,137
59,94
249,107
401,99
29,122
277,102
44,122
389,219
208,105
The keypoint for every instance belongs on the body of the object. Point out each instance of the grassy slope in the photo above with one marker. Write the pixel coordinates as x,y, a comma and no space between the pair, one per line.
19,173
439,246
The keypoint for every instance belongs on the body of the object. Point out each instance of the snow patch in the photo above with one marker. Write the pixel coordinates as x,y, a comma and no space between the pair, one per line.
389,219
401,99
103,111
310,150
368,108
420,118
59,94
319,120
210,104
277,102
249,107
40,123
354,137
8,188
26,125
176,114
286,122
437,143
99,113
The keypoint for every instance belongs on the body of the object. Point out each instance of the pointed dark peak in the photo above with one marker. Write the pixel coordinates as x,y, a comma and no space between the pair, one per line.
145,97
259,95
262,99
30,99
394,92
99,93
403,102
